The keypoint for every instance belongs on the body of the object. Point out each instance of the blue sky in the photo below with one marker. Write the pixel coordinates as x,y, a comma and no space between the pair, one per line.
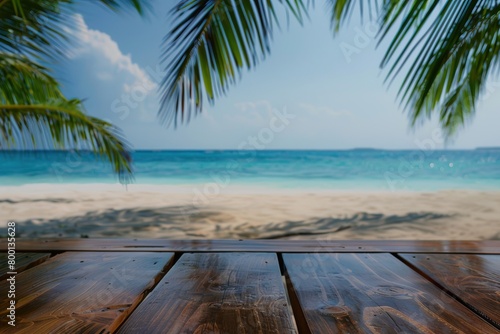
334,99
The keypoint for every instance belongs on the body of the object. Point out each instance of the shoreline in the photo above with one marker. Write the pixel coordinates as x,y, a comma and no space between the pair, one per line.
174,212
234,188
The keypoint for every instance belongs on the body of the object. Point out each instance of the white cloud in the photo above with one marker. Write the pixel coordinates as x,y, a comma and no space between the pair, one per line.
97,42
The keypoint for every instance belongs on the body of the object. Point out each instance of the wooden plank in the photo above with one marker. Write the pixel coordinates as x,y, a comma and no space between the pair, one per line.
216,293
373,293
23,261
288,246
82,292
474,279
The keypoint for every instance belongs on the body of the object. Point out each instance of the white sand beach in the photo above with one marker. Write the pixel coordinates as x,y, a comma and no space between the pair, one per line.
181,212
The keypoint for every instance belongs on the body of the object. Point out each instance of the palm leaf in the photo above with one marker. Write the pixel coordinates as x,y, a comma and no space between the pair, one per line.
32,27
62,124
38,28
34,114
210,44
33,111
447,50
24,81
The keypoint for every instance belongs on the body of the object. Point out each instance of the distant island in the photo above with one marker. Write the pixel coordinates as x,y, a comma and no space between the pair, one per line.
497,148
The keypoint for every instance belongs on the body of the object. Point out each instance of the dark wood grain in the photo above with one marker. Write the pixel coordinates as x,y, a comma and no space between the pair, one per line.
81,292
23,261
288,246
474,279
216,293
374,293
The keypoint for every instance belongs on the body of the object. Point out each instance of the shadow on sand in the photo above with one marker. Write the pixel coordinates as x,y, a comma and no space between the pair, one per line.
49,200
185,222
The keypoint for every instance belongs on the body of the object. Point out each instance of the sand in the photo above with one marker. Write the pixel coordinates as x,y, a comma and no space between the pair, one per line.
182,212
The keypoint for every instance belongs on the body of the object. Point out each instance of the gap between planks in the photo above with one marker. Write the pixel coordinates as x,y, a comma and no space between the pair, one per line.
292,305
446,290
295,308
170,264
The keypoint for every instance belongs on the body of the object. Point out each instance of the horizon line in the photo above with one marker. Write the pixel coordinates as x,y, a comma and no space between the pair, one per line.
493,148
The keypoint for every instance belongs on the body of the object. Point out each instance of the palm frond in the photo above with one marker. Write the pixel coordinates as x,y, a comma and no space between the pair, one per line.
447,49
210,44
35,114
457,53
62,124
33,28
33,111
38,28
24,81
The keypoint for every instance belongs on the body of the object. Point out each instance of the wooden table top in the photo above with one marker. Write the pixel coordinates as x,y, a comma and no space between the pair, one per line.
252,286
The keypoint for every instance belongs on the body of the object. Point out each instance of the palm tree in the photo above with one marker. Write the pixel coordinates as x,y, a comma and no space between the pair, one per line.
34,113
444,49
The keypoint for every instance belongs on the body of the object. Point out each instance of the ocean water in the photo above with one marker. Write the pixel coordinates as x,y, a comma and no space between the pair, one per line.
330,170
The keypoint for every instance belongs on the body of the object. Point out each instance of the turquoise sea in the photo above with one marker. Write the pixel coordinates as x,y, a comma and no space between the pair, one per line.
289,169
